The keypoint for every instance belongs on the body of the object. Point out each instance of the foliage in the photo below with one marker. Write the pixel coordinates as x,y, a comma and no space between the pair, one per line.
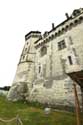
6,88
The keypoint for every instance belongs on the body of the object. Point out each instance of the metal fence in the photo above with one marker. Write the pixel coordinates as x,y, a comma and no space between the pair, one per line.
14,121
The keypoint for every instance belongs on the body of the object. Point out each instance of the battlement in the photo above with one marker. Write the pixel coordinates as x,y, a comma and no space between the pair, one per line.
32,34
72,21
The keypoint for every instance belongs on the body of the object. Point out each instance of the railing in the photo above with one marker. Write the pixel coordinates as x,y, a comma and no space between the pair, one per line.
16,120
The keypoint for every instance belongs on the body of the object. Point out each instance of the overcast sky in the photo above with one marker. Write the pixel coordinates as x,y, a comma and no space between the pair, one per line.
17,18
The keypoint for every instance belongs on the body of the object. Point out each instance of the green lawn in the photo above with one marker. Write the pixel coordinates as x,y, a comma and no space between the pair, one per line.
33,115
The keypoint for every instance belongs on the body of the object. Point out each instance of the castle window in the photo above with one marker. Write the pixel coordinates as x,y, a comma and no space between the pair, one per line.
61,45
39,69
25,49
23,56
70,60
43,51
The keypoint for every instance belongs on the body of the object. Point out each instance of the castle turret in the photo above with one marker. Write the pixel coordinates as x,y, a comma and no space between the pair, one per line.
25,69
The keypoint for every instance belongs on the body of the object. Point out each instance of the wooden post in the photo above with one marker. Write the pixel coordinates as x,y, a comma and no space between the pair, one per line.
17,121
82,97
77,105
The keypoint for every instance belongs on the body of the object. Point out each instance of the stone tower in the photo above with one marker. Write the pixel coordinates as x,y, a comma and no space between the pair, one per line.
25,73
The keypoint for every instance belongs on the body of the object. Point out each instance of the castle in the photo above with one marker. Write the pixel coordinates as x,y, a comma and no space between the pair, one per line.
49,64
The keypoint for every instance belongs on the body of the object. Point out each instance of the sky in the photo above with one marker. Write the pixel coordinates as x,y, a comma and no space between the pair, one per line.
17,18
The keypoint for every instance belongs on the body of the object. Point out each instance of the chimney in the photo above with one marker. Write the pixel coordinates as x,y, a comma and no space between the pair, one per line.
67,16
52,25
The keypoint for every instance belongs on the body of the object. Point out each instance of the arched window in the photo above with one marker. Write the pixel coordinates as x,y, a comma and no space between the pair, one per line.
43,51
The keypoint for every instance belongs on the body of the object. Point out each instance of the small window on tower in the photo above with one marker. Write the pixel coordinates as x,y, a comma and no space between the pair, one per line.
23,56
43,51
70,60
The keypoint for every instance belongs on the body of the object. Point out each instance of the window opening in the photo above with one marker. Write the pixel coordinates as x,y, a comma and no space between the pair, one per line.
43,51
61,45
39,69
70,60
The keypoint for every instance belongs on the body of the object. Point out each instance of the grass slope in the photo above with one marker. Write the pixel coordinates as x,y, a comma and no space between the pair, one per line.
31,115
